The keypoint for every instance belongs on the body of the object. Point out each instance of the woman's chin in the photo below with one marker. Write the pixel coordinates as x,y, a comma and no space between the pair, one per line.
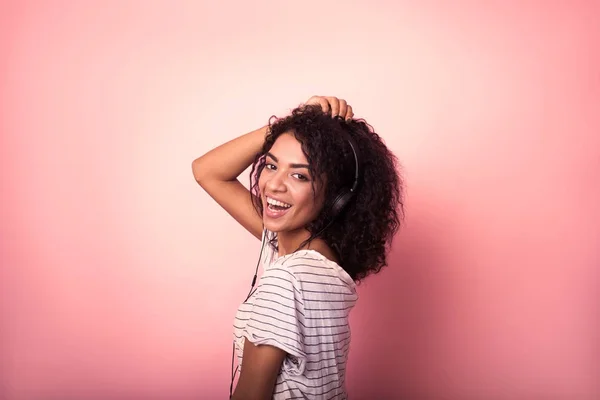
278,225
273,226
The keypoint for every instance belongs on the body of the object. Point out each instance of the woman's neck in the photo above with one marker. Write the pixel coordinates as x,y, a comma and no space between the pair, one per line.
289,242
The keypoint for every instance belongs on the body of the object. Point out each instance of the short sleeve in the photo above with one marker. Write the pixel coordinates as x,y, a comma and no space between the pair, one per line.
276,317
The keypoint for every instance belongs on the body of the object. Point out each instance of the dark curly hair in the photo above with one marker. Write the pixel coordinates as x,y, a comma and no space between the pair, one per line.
362,234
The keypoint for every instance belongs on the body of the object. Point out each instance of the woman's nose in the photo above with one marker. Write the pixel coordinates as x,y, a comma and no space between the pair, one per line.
276,183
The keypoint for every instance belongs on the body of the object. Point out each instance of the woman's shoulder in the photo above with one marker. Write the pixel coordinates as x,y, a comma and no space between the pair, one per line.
321,247
307,258
311,266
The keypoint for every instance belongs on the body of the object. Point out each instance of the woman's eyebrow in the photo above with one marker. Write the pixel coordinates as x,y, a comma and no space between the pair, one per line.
291,165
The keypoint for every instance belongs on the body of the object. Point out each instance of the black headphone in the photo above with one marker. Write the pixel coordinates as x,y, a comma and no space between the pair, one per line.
347,194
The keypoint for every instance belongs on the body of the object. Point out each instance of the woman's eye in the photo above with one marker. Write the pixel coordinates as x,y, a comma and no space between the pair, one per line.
301,177
270,166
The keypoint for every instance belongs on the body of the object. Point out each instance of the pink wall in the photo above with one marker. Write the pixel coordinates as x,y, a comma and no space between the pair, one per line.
120,277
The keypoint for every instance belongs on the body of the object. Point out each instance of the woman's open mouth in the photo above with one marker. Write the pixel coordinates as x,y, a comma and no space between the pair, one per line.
276,208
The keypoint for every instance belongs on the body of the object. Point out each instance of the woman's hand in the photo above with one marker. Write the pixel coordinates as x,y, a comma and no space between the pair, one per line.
333,105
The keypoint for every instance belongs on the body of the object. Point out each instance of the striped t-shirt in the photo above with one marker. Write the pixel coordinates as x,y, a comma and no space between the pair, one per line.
301,305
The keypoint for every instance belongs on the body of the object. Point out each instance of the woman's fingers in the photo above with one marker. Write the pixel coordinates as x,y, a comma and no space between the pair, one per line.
321,100
349,113
333,105
343,108
324,104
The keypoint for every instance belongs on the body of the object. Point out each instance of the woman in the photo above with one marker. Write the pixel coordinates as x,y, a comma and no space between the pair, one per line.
325,198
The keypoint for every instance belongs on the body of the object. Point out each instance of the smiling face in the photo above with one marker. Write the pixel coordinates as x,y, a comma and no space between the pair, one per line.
286,188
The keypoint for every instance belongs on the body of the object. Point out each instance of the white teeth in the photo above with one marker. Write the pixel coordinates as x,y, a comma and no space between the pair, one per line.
277,203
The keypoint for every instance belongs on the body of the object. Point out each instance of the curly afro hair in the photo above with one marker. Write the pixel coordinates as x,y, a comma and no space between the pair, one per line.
362,234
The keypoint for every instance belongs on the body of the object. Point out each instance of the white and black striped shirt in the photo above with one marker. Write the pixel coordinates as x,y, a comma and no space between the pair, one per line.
301,305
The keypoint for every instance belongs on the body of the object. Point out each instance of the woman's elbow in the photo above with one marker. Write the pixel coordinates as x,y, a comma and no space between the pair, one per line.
197,170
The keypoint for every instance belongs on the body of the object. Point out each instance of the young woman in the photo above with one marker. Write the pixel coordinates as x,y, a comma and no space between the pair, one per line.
326,200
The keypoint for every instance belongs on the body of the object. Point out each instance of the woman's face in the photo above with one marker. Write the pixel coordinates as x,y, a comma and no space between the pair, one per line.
286,187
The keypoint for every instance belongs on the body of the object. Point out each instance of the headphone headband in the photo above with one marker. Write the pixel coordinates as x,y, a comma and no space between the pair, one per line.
354,148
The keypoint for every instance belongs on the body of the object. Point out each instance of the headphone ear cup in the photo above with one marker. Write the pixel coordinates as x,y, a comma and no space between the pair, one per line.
340,202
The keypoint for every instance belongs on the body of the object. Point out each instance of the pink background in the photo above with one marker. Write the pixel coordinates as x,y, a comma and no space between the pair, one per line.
120,276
